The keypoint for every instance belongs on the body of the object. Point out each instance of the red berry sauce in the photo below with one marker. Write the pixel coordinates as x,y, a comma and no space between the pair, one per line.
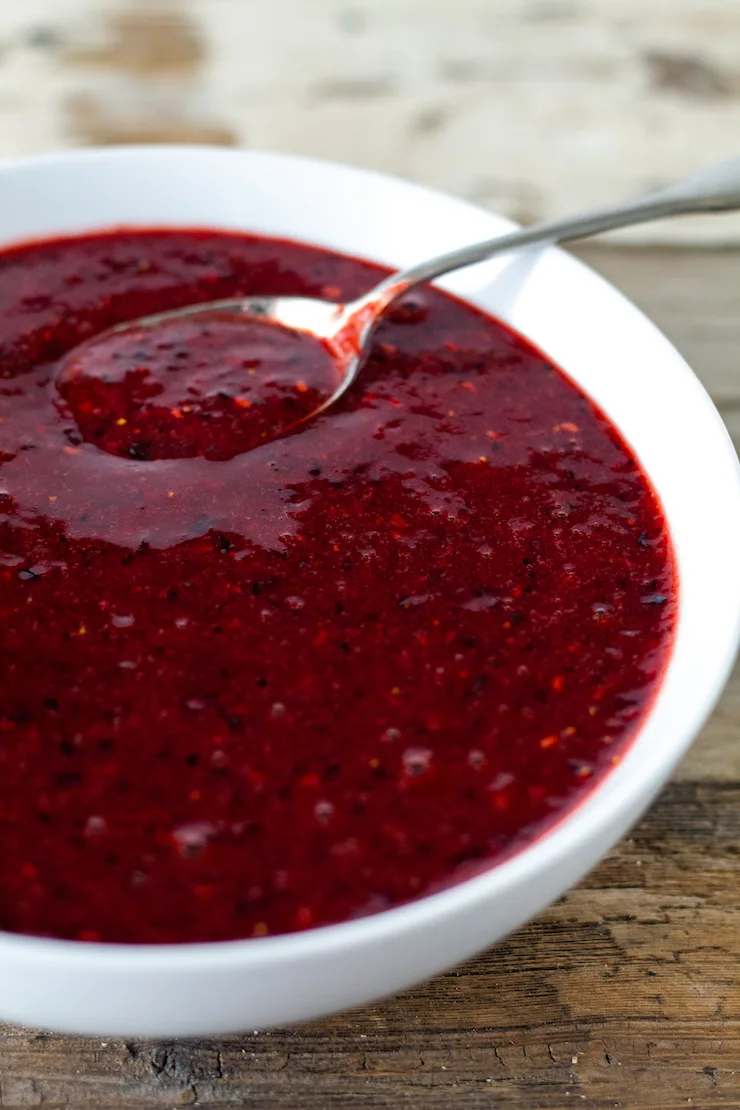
185,389
251,686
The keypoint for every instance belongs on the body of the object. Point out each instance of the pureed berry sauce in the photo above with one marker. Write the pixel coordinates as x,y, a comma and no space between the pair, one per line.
249,691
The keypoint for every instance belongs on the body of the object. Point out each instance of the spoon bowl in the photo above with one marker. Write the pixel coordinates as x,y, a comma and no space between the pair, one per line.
344,329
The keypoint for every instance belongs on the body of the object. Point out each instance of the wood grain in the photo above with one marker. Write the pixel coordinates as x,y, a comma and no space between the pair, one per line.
624,994
534,108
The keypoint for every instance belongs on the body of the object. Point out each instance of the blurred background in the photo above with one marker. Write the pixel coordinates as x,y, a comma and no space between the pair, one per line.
530,107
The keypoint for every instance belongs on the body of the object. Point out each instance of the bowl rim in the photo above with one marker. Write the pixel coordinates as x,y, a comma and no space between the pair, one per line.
602,804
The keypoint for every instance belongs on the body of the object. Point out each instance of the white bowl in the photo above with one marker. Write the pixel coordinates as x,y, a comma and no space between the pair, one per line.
621,361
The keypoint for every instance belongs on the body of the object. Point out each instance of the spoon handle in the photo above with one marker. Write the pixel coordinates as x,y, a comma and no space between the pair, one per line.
715,189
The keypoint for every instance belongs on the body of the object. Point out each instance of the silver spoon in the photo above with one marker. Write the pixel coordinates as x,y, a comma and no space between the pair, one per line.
345,328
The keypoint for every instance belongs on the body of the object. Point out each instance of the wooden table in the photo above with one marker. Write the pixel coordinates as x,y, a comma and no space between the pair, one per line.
624,994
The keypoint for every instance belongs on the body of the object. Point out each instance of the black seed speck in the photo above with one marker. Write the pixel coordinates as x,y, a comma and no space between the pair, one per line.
68,778
138,451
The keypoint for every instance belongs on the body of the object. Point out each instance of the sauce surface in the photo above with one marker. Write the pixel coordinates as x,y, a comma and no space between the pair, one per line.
250,691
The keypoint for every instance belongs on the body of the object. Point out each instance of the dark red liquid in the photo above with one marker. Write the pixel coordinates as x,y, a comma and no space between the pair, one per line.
251,692
212,387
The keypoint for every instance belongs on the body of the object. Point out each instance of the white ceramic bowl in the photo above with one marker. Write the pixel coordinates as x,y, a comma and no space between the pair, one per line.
621,360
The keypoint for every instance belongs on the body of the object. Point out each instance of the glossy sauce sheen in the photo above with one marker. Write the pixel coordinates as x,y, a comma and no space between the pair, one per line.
246,693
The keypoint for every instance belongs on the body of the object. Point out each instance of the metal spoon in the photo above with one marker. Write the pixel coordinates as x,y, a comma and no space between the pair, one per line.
345,328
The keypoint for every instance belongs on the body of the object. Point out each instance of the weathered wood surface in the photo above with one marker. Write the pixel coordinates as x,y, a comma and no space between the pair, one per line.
626,994
534,107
